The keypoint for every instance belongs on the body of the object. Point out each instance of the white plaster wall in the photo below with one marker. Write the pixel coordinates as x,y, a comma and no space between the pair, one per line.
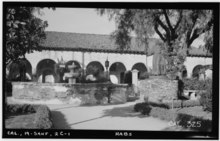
127,59
35,57
191,62
150,62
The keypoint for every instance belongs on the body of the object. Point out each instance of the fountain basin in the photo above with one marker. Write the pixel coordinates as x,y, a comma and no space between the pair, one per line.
84,94
71,75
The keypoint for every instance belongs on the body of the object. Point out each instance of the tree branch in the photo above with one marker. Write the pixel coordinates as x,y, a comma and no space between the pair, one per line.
158,32
199,31
162,25
180,18
167,20
193,37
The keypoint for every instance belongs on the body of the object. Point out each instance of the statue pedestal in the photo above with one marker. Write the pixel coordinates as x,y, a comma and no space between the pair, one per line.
71,76
72,81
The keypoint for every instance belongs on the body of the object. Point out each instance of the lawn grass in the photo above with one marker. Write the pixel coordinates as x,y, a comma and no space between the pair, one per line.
195,111
187,118
20,121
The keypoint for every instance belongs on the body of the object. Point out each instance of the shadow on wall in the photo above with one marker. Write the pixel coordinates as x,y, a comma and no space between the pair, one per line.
59,121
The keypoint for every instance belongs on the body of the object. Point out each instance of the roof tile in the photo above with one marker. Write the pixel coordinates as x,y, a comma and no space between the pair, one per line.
97,42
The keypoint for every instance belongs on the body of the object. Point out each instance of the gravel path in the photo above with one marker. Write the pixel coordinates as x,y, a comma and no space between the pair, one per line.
106,117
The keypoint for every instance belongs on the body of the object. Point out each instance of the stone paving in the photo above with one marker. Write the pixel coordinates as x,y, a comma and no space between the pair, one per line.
103,117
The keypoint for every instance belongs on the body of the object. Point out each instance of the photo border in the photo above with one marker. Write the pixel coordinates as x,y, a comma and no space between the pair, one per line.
123,134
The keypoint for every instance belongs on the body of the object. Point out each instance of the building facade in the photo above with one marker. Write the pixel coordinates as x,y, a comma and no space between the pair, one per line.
93,50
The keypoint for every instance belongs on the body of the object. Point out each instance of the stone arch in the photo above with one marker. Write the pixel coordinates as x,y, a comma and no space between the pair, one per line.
20,68
196,71
94,67
140,67
118,69
46,71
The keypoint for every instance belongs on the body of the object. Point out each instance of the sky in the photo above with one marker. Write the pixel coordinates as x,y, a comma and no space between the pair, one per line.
78,20
82,20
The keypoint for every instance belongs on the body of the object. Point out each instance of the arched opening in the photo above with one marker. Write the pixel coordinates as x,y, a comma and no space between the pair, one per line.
184,73
71,62
94,68
118,70
196,71
46,71
20,70
128,77
141,68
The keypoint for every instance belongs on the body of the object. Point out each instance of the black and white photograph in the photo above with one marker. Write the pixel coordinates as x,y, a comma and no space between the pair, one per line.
124,70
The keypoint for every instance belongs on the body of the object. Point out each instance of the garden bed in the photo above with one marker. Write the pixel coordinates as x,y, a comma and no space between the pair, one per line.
27,117
187,118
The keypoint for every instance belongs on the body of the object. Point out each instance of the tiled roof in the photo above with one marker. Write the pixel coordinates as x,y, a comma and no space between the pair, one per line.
94,42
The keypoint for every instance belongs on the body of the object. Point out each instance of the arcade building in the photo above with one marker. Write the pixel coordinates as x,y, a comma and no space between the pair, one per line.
99,51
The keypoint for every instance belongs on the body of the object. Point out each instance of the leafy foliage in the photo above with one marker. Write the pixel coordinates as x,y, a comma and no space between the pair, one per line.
206,97
42,118
144,75
24,32
194,84
21,108
183,120
177,28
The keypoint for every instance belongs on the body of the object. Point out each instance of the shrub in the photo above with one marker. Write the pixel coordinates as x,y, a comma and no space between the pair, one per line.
206,96
161,105
146,109
183,120
144,75
101,78
138,107
162,113
93,70
168,105
195,84
43,118
193,122
18,108
206,100
182,103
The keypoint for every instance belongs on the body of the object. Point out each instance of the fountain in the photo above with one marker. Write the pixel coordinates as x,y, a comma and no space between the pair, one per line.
71,76
74,93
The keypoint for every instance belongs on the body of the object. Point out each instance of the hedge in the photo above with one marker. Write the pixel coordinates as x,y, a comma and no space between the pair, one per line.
42,118
168,105
184,120
182,103
21,108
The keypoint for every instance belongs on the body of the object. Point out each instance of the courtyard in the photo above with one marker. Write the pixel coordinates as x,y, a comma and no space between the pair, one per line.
158,79
109,117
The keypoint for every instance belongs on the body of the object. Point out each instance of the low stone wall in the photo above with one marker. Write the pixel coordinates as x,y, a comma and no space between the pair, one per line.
91,93
159,89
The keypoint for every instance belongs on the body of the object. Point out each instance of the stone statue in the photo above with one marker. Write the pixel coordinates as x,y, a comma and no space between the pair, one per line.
159,62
